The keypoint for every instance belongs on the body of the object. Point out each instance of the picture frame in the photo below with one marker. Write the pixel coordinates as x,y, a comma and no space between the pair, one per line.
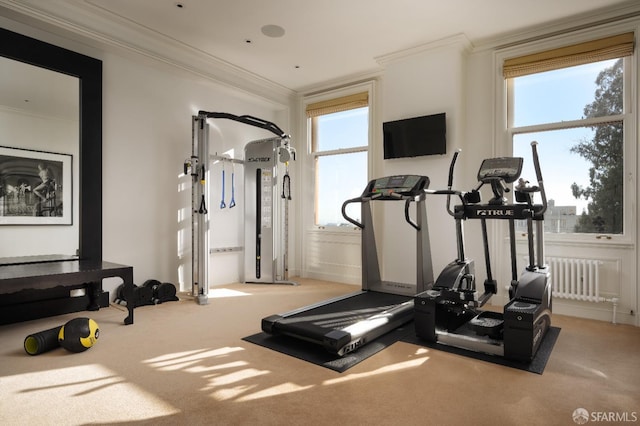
36,187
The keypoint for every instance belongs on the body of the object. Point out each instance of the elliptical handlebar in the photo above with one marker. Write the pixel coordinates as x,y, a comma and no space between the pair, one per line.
449,192
500,183
451,167
450,180
536,165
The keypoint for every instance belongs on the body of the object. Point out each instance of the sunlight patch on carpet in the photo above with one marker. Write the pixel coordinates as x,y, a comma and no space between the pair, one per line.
226,292
215,368
275,391
235,377
232,393
55,396
182,360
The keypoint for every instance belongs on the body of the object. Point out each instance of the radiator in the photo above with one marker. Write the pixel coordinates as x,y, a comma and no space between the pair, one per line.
578,279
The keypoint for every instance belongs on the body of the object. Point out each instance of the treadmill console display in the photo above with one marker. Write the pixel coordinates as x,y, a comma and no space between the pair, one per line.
506,168
395,186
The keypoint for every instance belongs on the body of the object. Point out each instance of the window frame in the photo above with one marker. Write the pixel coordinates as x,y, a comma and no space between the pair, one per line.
505,132
313,155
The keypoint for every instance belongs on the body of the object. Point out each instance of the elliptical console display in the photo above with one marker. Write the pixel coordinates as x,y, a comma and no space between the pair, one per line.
449,313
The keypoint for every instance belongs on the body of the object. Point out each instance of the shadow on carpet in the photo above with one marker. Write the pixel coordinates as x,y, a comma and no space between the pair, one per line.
316,354
537,364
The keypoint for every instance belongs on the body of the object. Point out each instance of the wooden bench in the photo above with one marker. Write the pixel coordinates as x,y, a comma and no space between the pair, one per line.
16,277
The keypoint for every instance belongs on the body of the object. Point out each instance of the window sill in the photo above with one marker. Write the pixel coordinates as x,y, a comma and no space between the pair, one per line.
584,240
350,229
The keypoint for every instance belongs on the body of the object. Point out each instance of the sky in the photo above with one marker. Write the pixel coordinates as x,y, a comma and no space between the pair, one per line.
554,97
348,129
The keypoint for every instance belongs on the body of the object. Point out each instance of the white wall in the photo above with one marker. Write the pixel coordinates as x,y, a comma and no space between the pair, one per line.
147,199
428,82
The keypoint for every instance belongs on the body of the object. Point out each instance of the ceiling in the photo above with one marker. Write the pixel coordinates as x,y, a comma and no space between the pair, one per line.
321,41
34,90
331,39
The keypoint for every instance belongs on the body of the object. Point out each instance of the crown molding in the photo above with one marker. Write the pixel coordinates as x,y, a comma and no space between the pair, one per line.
101,28
340,82
458,41
17,111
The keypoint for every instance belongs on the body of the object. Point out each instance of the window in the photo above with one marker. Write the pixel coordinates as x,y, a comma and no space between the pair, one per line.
339,147
576,106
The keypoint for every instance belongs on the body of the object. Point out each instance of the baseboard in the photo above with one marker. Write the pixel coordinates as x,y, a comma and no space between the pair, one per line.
333,278
602,311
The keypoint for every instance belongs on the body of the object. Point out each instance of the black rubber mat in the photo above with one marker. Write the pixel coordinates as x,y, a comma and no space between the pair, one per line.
537,364
316,354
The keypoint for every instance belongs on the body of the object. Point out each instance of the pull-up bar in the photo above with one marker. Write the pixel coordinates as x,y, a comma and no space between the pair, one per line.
247,119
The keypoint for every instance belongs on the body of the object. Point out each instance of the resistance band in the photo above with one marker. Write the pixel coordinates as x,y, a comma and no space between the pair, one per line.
232,203
286,184
222,203
203,203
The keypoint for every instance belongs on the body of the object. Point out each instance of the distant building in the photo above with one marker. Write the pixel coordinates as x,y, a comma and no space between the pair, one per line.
557,219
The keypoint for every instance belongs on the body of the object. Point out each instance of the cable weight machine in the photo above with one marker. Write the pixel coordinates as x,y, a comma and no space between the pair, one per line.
197,166
264,227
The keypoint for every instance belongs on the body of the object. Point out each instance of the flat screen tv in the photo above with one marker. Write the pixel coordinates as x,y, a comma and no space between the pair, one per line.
414,137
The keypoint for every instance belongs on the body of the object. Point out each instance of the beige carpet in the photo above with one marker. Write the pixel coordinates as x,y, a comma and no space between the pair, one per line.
183,363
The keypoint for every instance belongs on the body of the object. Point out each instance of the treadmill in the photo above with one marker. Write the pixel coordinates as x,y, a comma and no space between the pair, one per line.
345,323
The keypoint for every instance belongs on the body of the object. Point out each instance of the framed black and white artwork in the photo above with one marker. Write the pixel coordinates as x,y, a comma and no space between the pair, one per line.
35,187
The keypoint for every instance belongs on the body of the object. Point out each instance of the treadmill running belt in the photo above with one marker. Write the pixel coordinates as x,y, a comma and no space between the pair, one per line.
315,323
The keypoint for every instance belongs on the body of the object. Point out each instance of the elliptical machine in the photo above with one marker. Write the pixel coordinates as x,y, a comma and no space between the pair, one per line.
449,313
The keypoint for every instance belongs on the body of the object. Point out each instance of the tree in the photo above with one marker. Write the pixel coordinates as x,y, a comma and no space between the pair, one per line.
605,152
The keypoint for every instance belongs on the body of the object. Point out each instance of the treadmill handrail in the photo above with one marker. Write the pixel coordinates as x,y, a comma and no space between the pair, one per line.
344,211
407,217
